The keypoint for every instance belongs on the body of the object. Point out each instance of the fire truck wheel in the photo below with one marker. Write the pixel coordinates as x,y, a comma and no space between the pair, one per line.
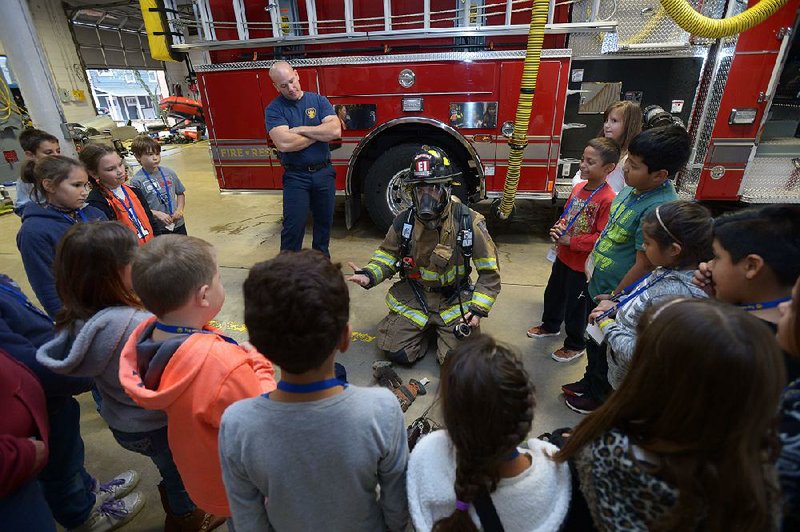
384,196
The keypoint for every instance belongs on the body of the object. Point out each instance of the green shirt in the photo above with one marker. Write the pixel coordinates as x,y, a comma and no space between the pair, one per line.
615,251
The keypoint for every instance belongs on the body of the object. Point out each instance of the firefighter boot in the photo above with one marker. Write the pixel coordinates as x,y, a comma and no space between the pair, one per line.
197,521
407,393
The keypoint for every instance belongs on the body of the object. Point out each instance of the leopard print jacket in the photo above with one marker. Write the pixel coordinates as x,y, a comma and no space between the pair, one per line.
620,491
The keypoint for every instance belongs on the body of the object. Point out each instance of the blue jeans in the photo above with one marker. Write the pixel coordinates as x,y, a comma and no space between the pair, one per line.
301,190
26,509
68,488
154,445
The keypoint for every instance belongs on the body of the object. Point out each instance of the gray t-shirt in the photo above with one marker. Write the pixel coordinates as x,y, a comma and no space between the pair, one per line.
316,465
155,192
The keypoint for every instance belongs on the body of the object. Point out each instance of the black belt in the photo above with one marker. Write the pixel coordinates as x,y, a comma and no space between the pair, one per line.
439,289
307,168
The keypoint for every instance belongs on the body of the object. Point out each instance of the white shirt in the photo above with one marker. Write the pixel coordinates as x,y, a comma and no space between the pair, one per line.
616,179
535,500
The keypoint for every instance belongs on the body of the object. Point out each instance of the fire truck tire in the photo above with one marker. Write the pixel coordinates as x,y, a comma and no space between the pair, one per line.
383,195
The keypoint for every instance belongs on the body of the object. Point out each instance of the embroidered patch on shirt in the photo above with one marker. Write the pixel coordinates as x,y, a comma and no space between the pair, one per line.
311,112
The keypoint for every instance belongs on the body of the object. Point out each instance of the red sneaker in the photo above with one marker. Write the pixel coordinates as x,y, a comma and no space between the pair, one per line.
575,389
584,404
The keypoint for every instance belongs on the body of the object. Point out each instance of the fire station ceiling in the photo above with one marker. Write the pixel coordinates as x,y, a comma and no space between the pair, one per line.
120,14
111,34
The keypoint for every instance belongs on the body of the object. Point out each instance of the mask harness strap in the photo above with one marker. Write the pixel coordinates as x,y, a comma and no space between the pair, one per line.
406,262
464,240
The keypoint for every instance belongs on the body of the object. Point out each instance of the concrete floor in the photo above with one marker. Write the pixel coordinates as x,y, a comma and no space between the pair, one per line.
246,229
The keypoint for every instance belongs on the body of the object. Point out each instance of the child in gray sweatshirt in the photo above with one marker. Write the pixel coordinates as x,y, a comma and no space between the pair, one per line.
317,453
677,237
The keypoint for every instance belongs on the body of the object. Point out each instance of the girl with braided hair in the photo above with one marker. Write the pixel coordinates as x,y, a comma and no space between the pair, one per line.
487,402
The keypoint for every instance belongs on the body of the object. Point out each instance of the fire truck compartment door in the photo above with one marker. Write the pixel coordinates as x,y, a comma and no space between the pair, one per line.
731,143
237,133
540,157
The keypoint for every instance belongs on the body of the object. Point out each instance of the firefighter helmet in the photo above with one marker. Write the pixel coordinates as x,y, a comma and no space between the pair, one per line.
430,165
429,179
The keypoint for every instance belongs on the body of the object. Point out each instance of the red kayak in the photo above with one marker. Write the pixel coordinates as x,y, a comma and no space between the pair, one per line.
182,107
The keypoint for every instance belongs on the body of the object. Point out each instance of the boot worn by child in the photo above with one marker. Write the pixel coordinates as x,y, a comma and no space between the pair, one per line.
197,521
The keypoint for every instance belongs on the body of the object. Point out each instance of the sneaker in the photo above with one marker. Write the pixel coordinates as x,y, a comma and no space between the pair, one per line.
566,355
113,513
117,487
540,332
584,404
575,389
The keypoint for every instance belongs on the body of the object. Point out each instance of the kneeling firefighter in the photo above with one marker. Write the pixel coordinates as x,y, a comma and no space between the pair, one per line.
430,245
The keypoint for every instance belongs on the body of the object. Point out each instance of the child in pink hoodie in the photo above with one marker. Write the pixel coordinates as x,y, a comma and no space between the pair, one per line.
175,362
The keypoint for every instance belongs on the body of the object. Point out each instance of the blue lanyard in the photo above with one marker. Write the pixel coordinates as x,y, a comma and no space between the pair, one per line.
168,202
620,210
311,387
72,220
179,329
627,289
575,216
621,303
749,307
17,294
510,456
128,206
69,218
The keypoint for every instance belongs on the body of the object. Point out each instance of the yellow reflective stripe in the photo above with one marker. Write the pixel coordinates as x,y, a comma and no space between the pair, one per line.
383,258
446,278
418,318
449,277
449,315
485,264
482,301
428,275
376,272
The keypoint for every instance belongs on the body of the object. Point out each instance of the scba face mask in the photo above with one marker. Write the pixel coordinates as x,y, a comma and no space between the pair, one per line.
430,200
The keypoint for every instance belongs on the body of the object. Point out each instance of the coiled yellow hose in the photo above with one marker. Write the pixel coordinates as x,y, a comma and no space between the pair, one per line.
690,20
530,73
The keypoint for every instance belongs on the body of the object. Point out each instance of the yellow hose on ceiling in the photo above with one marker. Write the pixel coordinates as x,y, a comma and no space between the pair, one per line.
530,73
680,11
690,20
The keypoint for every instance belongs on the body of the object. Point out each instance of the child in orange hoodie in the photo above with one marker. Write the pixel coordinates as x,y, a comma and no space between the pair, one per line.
175,362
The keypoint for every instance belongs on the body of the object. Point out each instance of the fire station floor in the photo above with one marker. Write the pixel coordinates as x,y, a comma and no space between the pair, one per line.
245,229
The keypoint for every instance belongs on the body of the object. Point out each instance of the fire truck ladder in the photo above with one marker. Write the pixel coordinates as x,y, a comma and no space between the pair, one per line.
468,19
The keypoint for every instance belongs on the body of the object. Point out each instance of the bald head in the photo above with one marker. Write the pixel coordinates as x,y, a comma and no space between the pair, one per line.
285,80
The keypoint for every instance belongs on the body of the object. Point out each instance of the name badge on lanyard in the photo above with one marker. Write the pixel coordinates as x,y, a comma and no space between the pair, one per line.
141,231
165,198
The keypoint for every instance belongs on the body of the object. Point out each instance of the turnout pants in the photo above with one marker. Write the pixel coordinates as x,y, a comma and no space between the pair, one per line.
405,342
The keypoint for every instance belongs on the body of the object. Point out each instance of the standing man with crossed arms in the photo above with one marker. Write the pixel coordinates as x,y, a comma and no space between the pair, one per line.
301,124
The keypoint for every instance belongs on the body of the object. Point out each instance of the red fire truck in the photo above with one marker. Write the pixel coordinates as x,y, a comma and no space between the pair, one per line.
448,72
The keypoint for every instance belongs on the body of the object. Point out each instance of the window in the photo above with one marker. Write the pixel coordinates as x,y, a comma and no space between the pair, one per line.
151,75
130,101
129,77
